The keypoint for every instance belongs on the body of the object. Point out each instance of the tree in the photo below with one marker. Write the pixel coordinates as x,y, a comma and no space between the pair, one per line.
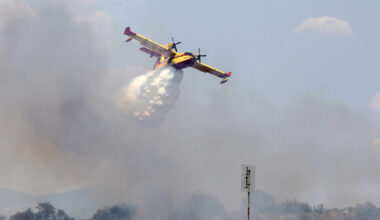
319,209
366,211
61,215
117,212
46,211
25,215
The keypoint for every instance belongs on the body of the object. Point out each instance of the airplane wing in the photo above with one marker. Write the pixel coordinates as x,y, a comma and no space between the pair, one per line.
208,69
148,43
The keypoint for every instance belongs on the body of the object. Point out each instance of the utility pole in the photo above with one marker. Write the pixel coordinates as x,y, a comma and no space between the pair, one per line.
248,183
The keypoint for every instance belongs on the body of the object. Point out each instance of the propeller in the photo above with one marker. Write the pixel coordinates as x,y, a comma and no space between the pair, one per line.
200,55
175,44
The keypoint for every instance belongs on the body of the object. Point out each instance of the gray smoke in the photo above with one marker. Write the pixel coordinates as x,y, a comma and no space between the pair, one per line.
61,127
50,67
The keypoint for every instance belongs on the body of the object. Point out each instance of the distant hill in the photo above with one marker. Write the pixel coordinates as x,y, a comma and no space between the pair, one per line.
11,201
80,203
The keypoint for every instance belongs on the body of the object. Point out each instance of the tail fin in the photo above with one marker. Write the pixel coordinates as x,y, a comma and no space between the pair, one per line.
129,32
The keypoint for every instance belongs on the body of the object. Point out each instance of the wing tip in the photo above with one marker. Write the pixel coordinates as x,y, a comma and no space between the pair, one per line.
228,74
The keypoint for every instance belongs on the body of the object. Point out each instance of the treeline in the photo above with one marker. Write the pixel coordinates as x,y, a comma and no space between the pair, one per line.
264,208
267,208
46,211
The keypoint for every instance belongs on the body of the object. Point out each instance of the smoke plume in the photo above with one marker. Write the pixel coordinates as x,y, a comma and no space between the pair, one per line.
61,129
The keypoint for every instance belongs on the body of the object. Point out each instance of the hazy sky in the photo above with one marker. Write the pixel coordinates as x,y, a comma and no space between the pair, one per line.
303,101
257,42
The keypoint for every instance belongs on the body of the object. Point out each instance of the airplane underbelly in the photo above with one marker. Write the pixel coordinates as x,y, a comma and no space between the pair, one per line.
183,61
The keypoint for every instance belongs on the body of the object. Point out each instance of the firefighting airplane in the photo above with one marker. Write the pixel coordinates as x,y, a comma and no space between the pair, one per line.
166,56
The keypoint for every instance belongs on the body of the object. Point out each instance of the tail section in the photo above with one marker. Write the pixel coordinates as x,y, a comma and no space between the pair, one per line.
129,33
225,79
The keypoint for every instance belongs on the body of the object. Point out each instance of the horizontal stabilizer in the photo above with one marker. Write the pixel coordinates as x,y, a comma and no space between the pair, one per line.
224,81
129,39
150,52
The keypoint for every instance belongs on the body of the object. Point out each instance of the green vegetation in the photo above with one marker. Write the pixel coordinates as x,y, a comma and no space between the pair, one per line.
202,207
46,211
267,209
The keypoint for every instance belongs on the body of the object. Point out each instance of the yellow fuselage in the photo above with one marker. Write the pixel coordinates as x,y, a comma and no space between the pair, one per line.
178,61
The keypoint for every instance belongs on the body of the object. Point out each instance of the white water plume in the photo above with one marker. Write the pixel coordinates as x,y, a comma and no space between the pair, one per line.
152,95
